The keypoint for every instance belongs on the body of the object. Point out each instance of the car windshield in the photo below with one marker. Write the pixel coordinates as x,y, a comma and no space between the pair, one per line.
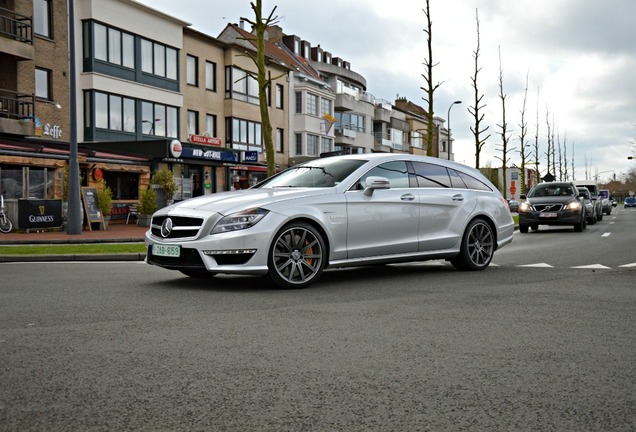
551,190
317,173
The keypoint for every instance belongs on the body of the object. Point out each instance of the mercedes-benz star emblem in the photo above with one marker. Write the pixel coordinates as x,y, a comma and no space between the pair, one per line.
166,228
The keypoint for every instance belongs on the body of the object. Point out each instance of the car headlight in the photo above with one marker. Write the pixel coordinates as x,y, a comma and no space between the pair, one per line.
238,221
573,205
524,206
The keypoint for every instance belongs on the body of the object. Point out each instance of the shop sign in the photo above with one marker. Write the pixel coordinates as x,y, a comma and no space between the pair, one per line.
250,156
54,131
175,148
206,140
226,156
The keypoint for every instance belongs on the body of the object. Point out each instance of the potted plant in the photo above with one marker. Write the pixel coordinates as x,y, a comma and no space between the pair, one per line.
164,179
147,206
104,200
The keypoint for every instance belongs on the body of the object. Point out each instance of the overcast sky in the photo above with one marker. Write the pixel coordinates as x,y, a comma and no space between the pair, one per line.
579,57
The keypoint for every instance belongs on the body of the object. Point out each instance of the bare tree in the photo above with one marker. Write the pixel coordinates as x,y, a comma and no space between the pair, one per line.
550,144
475,109
565,158
504,130
523,130
536,143
263,78
430,88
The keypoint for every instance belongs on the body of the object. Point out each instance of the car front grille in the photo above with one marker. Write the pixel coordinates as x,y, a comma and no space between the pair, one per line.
548,207
182,227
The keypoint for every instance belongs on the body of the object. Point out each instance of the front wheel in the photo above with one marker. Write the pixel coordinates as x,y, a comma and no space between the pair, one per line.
5,224
477,248
297,256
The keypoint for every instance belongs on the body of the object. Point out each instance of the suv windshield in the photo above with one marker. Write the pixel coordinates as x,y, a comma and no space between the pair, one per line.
551,190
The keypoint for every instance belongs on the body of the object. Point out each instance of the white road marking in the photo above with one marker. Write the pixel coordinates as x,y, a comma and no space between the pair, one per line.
538,265
606,234
593,266
628,265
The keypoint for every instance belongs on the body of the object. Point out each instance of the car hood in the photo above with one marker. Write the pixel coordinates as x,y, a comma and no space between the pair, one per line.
230,202
550,200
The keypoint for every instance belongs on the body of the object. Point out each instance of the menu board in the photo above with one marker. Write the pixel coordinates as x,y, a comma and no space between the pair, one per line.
91,207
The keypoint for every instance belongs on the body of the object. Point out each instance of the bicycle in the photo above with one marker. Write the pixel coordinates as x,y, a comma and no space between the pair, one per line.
5,222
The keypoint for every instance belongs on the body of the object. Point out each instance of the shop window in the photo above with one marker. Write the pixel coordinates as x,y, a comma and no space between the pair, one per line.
27,182
125,186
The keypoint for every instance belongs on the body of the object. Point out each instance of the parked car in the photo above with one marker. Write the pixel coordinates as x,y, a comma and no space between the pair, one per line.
596,199
589,205
606,201
338,211
554,203
614,201
513,205
629,202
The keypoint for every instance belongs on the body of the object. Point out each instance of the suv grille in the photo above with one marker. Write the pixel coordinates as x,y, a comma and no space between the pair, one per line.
548,207
181,226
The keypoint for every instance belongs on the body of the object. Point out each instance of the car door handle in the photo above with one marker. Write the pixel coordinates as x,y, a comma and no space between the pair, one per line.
458,197
407,197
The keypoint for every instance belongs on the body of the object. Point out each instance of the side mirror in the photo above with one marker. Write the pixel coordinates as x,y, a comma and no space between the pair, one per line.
372,183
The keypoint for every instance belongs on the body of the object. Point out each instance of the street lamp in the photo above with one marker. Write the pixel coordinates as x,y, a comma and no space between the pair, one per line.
449,128
74,224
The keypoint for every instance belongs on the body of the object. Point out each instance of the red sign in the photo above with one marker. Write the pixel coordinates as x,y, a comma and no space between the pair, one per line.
513,187
200,139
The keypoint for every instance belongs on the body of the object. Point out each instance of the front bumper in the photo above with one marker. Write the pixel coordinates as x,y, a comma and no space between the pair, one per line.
562,217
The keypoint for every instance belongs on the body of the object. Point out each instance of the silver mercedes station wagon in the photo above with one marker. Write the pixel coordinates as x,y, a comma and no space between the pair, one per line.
339,211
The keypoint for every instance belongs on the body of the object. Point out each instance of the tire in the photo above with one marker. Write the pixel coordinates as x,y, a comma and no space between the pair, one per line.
579,227
297,256
477,247
5,224
198,274
523,228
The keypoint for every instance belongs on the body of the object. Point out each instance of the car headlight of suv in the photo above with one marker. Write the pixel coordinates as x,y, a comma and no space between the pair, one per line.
238,221
524,206
573,205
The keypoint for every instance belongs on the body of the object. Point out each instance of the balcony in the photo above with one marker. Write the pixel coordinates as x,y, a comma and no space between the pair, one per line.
16,113
16,35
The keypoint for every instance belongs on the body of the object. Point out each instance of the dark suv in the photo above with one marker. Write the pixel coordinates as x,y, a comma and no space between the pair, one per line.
554,203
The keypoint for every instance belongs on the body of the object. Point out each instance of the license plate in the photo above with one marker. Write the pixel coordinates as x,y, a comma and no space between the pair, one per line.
548,215
166,250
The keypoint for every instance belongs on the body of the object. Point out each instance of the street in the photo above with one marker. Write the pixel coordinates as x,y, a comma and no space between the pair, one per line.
541,340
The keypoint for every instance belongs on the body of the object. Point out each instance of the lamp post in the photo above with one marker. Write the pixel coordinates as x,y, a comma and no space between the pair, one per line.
449,128
74,225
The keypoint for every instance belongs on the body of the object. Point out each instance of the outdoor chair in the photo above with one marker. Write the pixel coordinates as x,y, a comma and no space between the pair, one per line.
132,211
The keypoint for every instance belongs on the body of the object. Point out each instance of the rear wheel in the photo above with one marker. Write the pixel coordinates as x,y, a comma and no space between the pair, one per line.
297,256
477,248
523,228
5,224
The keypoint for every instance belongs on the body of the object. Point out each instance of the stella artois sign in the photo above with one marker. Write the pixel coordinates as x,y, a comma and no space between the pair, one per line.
206,140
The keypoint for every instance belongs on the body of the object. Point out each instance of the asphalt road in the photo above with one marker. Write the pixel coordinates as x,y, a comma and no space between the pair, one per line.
126,346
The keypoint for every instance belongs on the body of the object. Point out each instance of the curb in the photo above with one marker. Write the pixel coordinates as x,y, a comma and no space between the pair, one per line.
74,257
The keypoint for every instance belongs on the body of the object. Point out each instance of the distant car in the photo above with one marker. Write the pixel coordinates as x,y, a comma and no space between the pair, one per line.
553,203
513,205
614,201
589,205
606,201
630,202
339,211
596,199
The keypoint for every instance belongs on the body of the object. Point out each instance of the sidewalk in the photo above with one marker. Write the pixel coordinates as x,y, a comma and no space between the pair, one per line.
116,233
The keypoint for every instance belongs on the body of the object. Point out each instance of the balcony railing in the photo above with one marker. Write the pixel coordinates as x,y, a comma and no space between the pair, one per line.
15,105
16,26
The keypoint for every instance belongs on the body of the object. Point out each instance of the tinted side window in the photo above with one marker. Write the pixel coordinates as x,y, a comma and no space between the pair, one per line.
473,183
456,180
396,172
431,175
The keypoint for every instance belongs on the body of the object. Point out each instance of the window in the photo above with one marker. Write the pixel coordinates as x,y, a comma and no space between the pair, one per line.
299,144
191,66
312,104
244,134
193,122
43,83
158,119
280,134
42,18
312,145
325,145
114,112
325,107
33,182
279,96
396,172
240,85
113,46
210,76
210,124
431,175
158,59
350,121
125,186
299,102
